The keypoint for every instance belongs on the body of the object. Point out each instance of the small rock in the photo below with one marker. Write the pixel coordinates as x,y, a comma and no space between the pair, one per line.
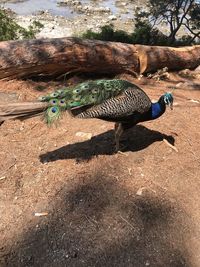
86,136
178,85
185,72
112,17
197,69
140,191
124,4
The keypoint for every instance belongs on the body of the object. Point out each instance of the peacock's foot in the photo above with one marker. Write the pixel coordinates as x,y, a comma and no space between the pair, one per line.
121,153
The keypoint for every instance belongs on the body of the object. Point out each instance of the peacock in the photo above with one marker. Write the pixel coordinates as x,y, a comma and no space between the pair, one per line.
116,100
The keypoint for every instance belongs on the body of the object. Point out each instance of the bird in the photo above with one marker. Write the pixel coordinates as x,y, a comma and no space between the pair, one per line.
116,100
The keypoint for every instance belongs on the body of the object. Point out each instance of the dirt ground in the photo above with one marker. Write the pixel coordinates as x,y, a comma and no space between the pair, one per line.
140,208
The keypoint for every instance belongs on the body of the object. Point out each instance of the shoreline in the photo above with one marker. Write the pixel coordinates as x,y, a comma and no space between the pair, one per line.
83,17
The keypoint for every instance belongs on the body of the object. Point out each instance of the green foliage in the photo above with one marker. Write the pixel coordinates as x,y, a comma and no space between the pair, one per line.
195,16
178,15
108,33
143,34
10,30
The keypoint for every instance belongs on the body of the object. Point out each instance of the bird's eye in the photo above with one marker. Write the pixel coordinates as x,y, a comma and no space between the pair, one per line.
166,100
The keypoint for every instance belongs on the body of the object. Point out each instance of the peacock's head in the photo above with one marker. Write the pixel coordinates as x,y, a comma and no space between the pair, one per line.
168,99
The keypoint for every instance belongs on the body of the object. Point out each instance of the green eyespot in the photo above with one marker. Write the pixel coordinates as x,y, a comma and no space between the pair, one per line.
85,87
92,98
77,91
53,102
61,92
55,94
107,86
52,114
62,104
94,91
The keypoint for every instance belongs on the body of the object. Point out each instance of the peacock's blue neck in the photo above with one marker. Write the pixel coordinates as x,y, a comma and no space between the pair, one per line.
157,109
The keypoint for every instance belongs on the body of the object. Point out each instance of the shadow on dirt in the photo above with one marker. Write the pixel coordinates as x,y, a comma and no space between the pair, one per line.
99,223
137,139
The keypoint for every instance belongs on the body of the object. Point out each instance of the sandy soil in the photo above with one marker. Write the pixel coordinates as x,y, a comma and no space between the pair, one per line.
100,208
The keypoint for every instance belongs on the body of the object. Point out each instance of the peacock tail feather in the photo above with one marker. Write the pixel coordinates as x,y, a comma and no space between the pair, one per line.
86,94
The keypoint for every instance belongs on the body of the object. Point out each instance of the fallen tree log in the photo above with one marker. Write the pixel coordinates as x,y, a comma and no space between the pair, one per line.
65,55
153,58
28,58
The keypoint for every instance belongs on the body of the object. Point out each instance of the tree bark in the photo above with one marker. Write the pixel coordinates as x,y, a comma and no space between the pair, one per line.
28,58
152,58
65,55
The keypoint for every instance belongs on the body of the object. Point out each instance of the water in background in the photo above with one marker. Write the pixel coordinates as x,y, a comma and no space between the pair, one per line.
32,6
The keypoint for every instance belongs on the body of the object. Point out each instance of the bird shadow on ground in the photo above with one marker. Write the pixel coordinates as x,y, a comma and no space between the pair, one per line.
99,223
137,139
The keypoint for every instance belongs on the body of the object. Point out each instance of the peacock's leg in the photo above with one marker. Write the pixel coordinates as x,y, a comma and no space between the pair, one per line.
116,126
118,132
